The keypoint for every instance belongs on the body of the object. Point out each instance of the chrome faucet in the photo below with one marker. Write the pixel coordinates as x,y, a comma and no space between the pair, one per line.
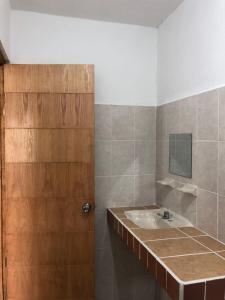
166,215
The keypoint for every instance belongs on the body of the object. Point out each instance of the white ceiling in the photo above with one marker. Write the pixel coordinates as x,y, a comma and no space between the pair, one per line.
140,12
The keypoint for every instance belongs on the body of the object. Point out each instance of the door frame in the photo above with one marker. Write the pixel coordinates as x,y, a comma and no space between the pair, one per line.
3,60
3,55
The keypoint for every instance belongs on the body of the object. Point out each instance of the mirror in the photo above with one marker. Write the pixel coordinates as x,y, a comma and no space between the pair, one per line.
180,154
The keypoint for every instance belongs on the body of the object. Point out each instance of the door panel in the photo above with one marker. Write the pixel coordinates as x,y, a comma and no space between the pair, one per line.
47,180
49,79
50,282
48,145
43,215
48,171
24,110
1,161
49,249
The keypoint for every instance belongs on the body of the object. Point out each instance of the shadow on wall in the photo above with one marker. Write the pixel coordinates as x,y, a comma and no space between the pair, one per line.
120,276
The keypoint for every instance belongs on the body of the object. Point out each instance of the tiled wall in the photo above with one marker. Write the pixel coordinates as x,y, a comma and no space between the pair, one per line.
203,116
125,159
129,152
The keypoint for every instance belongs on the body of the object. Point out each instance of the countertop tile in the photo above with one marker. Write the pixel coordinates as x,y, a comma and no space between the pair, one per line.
174,247
196,267
157,234
210,243
192,231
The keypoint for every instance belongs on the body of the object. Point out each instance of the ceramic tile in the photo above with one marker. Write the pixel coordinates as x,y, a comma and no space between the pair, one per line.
162,159
221,168
152,264
208,116
207,210
118,210
222,113
194,291
103,158
175,247
172,287
122,190
102,193
143,255
207,155
145,122
187,110
221,219
196,267
215,289
156,234
210,243
103,122
144,190
129,223
192,231
145,157
122,122
221,253
161,122
136,248
123,158
161,275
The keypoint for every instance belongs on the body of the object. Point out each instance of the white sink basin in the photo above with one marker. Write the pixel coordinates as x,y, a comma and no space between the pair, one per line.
153,219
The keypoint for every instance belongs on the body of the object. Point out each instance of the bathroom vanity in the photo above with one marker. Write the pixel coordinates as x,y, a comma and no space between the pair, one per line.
186,262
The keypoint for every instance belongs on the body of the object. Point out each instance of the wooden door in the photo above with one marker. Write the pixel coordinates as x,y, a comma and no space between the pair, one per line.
49,167
1,104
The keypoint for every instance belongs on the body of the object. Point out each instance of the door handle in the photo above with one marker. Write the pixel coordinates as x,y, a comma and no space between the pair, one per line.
86,208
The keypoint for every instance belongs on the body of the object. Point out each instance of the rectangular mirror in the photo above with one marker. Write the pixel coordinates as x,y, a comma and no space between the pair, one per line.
180,154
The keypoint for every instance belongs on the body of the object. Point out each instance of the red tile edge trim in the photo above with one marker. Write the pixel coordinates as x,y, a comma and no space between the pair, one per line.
195,291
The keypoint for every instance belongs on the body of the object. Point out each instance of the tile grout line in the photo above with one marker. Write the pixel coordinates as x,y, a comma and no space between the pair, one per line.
218,160
211,251
134,182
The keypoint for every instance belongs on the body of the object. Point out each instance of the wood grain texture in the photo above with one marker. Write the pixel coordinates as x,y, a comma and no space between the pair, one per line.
49,174
50,282
46,215
49,249
1,181
43,180
49,79
25,110
48,145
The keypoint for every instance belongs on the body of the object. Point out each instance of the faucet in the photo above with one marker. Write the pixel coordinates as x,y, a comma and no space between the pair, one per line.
166,215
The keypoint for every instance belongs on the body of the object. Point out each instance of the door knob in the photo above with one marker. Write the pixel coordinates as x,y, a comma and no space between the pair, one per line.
86,208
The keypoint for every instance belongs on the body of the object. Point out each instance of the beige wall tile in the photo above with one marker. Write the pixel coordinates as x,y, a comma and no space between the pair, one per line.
122,122
103,157
207,212
221,168
221,219
103,122
222,114
145,157
208,116
145,190
207,159
145,123
123,158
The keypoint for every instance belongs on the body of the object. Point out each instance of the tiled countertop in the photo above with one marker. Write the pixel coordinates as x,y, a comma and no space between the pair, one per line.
188,263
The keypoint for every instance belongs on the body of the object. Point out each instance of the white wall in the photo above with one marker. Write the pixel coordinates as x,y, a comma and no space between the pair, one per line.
4,24
125,56
191,54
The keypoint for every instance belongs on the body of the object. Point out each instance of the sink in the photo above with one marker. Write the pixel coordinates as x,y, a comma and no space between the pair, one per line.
153,219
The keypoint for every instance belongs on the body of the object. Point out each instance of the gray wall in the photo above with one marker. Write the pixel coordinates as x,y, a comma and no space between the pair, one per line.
125,159
132,148
202,115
